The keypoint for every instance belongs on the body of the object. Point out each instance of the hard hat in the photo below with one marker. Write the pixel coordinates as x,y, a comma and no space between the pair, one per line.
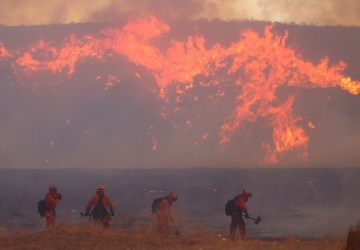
53,188
247,192
173,196
101,188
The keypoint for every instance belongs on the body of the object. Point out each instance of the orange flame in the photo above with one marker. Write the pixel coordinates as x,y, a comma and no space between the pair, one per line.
311,125
255,65
4,53
154,143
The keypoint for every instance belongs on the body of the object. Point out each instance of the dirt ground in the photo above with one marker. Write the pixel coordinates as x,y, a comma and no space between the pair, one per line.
88,237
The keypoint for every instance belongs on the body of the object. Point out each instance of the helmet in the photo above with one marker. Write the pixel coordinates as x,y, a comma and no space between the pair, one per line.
173,196
247,192
52,188
101,188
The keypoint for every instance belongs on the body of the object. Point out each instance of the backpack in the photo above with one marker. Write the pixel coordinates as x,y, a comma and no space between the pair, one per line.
230,206
156,203
41,207
99,206
99,211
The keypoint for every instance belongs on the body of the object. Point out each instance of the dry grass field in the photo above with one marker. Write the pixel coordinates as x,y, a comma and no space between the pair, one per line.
66,236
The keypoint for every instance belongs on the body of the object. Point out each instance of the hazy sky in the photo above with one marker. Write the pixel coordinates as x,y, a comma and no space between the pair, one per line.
314,12
170,90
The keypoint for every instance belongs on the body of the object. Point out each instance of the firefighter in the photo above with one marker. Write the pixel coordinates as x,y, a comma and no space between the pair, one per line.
165,221
236,216
52,198
100,208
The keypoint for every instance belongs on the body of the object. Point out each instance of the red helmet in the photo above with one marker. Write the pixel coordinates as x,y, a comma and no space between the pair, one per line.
101,188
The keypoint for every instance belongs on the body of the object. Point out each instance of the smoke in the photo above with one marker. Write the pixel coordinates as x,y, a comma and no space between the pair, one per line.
312,12
310,203
334,12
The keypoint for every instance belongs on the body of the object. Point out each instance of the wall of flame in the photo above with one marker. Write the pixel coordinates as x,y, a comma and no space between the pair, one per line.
248,74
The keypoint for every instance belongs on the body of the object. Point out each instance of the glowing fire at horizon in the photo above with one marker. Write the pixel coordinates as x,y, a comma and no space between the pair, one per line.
254,65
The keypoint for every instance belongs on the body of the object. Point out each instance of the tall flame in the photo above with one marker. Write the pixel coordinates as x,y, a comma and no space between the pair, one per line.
4,53
255,65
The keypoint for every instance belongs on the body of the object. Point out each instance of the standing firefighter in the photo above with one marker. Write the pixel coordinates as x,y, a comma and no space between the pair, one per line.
52,198
162,209
100,204
236,213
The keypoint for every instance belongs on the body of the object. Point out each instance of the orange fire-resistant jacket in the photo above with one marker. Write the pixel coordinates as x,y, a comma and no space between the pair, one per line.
95,200
164,209
51,200
240,203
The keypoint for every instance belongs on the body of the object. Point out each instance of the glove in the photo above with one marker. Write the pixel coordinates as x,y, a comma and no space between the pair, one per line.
112,214
247,215
59,196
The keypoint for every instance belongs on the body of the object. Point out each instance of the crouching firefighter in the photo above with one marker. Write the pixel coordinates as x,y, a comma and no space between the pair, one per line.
98,208
162,210
236,215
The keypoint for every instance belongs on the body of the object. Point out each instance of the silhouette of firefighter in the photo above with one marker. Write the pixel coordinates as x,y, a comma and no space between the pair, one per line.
162,209
52,198
100,208
240,208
